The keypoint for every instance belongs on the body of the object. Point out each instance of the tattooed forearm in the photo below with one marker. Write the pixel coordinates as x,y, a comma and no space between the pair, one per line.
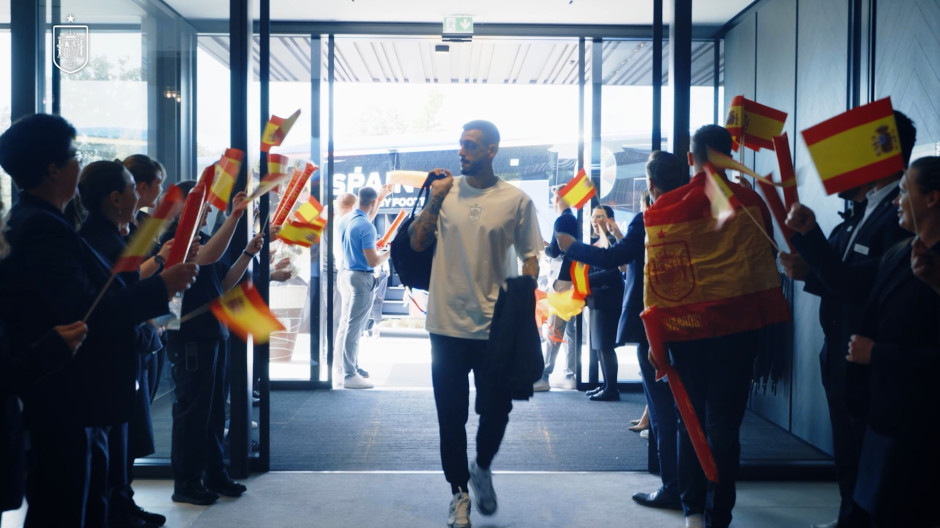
423,231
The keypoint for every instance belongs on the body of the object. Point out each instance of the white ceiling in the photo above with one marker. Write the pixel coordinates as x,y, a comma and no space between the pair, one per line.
577,12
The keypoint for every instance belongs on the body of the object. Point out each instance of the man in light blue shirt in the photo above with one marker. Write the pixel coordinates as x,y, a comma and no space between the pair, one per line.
356,283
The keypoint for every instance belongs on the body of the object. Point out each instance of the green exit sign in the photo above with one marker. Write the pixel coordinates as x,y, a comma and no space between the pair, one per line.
458,25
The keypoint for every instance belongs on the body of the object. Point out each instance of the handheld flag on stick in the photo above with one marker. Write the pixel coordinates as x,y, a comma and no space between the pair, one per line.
721,161
278,164
308,211
787,174
188,226
753,122
392,230
301,233
226,170
276,130
267,184
720,195
290,198
579,279
856,147
654,334
564,304
242,310
150,230
578,191
776,208
407,177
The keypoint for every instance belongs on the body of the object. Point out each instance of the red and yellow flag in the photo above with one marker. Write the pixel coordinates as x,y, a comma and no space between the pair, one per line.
188,226
286,205
719,193
242,310
787,174
226,171
276,130
278,164
757,124
579,279
301,233
392,230
267,184
578,191
856,147
149,231
308,211
564,304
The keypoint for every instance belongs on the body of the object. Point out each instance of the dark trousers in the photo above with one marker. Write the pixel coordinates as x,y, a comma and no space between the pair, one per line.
663,420
198,409
452,359
717,374
849,417
67,480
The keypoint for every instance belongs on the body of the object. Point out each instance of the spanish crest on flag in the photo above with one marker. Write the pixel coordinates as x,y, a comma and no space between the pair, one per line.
856,147
242,310
578,191
757,124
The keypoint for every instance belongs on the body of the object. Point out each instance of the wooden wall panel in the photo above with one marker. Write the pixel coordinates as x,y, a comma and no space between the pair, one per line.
775,84
907,62
821,88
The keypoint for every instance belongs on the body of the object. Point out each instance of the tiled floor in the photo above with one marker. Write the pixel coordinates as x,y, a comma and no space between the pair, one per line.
420,499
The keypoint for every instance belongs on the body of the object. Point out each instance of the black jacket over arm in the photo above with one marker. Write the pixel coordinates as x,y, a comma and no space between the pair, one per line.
514,352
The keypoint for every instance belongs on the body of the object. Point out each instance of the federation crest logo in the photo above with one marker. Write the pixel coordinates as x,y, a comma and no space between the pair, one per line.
475,212
669,270
884,140
71,48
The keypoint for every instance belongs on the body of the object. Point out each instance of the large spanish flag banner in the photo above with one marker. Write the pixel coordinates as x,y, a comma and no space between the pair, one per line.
242,310
138,248
276,130
856,147
702,283
757,124
226,170
578,191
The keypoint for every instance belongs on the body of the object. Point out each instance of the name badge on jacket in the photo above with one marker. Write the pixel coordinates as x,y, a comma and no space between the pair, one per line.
861,249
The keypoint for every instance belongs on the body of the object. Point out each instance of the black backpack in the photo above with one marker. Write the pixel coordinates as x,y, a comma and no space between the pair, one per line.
413,267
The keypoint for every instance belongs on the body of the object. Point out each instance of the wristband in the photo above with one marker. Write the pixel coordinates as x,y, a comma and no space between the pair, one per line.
246,253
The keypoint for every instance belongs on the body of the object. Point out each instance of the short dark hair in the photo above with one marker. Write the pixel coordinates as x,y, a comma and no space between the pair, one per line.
667,171
928,173
98,181
31,144
608,210
714,136
489,130
907,136
367,195
143,168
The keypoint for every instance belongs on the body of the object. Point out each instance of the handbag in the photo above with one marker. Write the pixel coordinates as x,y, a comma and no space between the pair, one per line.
413,267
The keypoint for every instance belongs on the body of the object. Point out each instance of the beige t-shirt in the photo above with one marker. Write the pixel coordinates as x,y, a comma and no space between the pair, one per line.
480,235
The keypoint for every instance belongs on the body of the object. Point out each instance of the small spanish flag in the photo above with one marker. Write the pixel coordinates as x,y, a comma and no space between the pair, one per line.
856,147
303,234
720,195
242,310
226,170
579,279
578,191
756,123
787,174
149,231
392,230
278,164
188,225
308,211
564,304
276,130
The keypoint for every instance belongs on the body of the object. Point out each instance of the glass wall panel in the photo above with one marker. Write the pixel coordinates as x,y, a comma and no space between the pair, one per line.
5,99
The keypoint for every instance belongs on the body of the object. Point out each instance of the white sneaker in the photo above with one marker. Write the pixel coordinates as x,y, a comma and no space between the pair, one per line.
696,520
357,382
541,386
481,483
569,383
459,514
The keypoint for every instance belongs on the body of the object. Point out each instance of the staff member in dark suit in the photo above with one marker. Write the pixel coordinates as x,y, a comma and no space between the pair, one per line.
54,277
837,271
664,172
899,338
